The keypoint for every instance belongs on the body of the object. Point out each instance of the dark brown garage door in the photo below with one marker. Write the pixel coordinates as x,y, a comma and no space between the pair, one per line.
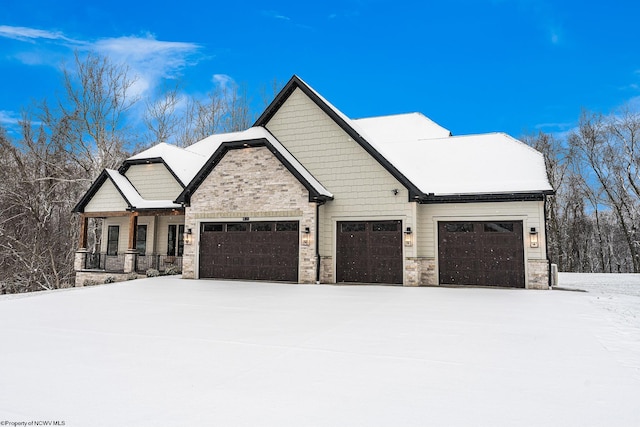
369,252
481,253
249,250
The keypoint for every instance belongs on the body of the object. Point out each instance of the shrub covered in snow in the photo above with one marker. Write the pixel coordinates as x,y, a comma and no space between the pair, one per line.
152,272
132,276
90,282
171,270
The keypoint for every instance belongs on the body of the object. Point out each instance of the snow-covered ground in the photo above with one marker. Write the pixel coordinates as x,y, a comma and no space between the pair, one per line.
172,352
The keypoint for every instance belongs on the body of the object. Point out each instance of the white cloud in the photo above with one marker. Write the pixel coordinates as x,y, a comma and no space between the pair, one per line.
8,118
275,15
30,34
223,81
149,60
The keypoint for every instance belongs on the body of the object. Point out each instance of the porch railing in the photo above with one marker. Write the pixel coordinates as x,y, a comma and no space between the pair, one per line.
115,263
159,262
102,261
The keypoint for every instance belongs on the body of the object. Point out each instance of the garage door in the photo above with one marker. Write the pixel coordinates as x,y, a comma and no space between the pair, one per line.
369,252
481,253
249,250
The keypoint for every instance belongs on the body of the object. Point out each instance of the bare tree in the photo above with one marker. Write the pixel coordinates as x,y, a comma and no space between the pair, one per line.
607,157
161,116
98,94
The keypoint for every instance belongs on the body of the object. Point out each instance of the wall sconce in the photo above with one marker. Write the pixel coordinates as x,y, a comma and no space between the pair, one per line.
188,237
306,236
408,237
533,237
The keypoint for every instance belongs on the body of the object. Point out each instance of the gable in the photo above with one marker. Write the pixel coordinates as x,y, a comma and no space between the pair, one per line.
330,154
153,181
250,178
106,199
258,137
295,94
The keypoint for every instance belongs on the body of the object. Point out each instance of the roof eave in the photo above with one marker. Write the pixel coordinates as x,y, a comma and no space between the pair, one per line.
431,198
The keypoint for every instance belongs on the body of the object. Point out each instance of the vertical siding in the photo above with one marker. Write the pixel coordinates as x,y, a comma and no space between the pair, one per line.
106,199
154,181
362,188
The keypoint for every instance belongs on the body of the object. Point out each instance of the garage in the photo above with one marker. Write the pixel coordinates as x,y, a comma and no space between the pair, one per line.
250,250
481,253
369,252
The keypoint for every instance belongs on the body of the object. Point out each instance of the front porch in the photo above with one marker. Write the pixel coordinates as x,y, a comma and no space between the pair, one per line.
130,243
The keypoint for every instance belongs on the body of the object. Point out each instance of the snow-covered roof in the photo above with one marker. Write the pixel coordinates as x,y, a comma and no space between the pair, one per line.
210,145
184,163
420,150
132,196
470,164
400,127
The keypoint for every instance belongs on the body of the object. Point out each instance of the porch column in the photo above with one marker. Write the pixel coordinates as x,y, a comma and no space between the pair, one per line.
131,254
81,254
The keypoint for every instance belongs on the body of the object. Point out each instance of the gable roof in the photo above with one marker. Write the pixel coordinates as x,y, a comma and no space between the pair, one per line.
183,164
341,120
219,145
128,192
426,159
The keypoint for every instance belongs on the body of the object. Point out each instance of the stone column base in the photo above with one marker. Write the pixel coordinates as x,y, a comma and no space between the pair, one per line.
80,259
130,260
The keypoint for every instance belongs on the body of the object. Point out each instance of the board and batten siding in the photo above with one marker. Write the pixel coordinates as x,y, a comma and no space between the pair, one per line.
362,188
154,181
106,199
530,213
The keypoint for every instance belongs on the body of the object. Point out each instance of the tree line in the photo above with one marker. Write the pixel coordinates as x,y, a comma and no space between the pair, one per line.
594,216
98,120
60,146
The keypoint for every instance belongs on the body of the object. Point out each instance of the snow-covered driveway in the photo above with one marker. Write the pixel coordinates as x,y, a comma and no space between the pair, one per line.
172,352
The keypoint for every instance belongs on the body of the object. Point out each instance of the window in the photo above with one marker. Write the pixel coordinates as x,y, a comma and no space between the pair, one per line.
175,240
237,226
459,227
213,227
350,227
262,226
287,226
112,239
498,227
141,239
385,226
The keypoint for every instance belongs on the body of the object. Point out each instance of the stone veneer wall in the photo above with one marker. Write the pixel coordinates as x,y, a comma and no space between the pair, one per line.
251,183
326,270
538,274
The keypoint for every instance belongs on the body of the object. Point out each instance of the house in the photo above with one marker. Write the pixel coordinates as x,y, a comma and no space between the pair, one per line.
308,195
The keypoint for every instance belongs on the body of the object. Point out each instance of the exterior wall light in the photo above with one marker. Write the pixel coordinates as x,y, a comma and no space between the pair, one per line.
533,237
408,237
306,237
188,237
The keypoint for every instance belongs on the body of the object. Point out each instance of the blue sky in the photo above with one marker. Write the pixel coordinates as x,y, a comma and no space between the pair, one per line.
473,66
